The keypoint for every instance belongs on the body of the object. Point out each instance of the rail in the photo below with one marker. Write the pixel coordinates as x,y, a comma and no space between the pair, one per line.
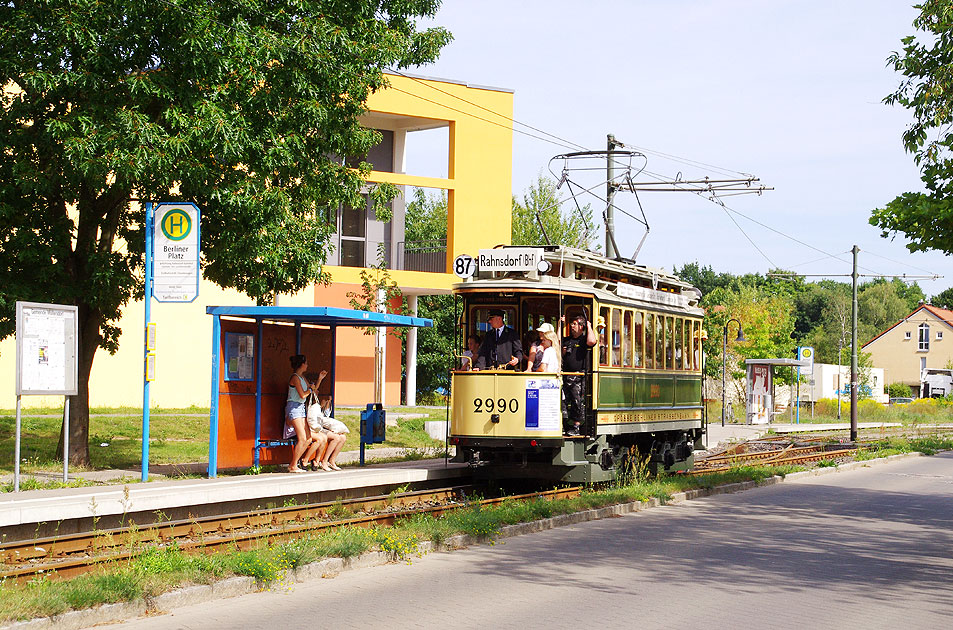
69,556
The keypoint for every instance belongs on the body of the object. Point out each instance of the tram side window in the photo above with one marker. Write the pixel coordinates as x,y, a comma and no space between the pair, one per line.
637,355
696,346
667,331
679,343
659,342
649,340
627,339
603,341
616,336
694,357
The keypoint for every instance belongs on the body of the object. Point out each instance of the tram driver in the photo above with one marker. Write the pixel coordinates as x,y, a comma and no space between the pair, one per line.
501,346
576,359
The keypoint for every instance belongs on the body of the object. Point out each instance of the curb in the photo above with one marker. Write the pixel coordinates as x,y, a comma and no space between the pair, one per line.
329,567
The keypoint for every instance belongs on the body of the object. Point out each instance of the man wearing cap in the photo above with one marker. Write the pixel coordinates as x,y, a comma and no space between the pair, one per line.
501,347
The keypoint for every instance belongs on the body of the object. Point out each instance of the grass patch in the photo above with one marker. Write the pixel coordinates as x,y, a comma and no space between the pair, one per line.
928,445
176,436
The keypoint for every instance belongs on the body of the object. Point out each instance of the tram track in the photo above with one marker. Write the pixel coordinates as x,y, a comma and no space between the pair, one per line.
796,449
77,554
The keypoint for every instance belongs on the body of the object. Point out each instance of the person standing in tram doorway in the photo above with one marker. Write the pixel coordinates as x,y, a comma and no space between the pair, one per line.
501,347
576,359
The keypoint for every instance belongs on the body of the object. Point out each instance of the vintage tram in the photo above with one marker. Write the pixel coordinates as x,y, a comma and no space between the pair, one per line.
643,378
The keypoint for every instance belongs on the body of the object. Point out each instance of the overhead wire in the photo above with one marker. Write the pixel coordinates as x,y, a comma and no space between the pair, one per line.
558,140
562,142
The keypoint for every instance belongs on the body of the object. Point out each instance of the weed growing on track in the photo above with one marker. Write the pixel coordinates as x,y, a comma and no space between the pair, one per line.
928,445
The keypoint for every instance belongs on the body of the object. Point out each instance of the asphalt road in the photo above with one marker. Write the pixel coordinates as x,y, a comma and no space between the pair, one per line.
871,548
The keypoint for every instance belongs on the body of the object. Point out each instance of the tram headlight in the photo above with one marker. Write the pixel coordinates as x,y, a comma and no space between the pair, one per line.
543,266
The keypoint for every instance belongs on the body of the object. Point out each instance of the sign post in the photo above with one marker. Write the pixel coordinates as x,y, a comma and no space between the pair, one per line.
47,350
805,354
173,242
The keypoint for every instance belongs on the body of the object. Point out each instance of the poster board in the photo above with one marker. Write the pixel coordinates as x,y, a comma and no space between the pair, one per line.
543,405
47,349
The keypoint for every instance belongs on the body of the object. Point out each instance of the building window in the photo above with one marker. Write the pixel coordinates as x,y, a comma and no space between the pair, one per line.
353,234
923,363
939,335
924,337
908,335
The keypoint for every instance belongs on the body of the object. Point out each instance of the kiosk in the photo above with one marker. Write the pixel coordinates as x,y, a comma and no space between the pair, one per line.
250,350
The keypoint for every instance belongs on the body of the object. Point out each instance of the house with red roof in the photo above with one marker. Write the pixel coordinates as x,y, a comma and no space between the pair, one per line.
923,339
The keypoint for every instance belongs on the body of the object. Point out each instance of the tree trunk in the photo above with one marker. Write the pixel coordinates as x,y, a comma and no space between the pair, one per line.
79,404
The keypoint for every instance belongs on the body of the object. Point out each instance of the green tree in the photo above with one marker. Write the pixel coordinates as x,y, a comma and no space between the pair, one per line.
944,299
239,107
705,279
541,204
926,89
879,306
767,320
425,217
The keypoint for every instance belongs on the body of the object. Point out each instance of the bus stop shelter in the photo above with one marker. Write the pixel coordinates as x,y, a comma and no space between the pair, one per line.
251,346
759,381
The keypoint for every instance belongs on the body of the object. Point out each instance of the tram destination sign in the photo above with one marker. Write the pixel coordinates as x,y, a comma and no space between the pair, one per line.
650,295
176,252
510,259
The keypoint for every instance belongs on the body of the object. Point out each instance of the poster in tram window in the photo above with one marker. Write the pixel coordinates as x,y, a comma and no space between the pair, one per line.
47,347
543,410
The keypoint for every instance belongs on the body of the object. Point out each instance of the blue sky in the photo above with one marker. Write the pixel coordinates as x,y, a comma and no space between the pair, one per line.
788,91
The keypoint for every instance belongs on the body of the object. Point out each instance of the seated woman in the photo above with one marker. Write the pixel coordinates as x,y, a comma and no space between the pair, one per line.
335,439
307,444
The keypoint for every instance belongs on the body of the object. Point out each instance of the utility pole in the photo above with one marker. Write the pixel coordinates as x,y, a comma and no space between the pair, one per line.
854,371
854,374
611,145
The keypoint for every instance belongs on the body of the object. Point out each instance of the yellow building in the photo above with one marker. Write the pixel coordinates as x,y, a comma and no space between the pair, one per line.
477,125
917,342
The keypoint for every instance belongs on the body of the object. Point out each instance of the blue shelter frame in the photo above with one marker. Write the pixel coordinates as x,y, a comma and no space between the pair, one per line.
329,316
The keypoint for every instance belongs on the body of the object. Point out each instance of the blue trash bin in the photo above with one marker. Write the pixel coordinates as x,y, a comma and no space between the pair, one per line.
373,426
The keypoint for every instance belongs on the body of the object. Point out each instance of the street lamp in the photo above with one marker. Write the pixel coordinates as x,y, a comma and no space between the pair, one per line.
724,362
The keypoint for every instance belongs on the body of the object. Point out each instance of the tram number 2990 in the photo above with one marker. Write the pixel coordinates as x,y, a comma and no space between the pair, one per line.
495,405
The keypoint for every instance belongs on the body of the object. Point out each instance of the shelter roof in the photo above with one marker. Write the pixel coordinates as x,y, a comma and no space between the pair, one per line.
322,315
791,362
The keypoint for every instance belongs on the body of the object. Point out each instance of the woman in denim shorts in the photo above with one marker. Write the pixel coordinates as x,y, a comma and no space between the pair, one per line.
299,388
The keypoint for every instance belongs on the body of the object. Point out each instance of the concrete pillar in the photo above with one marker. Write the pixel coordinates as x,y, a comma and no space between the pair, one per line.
411,397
